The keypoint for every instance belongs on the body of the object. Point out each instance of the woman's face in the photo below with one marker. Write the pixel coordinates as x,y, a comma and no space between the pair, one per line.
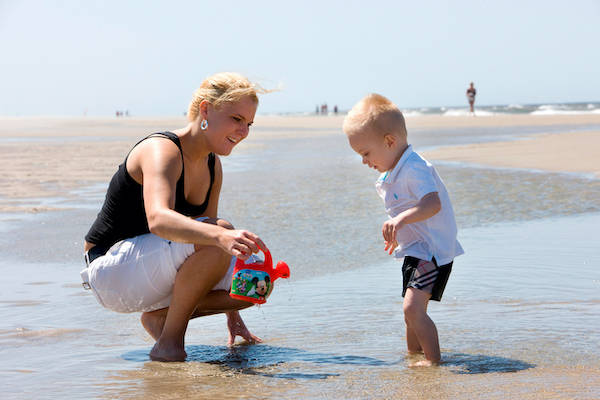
229,124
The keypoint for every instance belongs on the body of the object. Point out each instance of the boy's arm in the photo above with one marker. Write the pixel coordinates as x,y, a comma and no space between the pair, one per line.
427,207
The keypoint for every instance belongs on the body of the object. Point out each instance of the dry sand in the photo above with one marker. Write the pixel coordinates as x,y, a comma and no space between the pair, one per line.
49,156
569,152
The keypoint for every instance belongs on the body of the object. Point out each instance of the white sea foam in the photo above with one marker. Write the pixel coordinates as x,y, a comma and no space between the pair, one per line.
466,112
412,113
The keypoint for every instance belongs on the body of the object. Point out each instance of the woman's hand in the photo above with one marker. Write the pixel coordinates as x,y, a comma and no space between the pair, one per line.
240,243
236,327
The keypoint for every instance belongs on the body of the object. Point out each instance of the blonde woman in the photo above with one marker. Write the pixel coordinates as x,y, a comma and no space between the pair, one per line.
157,245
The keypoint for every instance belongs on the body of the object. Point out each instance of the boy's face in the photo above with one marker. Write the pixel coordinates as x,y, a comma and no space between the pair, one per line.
377,151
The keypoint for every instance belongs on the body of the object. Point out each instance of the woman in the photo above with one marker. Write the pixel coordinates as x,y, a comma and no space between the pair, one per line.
145,253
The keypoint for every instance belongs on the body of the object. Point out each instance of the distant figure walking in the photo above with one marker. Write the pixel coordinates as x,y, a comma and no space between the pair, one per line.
471,92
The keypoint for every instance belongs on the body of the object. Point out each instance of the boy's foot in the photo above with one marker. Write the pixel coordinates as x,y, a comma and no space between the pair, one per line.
168,353
153,324
424,363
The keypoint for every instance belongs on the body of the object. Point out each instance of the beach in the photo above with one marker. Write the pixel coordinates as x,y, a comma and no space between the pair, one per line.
519,317
577,152
45,157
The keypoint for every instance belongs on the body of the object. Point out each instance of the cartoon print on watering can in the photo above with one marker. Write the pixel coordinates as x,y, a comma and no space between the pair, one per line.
253,279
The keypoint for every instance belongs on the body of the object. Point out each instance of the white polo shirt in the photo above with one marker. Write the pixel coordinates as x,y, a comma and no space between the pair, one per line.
402,188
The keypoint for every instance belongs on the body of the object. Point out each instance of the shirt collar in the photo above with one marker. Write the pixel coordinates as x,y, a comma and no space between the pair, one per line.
390,175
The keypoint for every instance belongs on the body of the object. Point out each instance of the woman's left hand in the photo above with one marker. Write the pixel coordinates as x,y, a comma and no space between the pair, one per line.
237,327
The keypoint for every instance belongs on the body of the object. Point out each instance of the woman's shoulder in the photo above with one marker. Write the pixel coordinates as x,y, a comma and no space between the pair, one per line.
158,146
154,152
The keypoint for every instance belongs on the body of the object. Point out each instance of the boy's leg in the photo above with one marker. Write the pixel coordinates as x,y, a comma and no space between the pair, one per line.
423,328
412,341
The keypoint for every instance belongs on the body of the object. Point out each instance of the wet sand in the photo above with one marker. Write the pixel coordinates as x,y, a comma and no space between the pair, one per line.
50,156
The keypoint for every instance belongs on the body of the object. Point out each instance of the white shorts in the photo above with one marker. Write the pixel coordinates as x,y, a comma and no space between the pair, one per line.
138,274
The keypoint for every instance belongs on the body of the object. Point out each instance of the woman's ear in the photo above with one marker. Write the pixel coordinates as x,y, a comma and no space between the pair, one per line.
203,109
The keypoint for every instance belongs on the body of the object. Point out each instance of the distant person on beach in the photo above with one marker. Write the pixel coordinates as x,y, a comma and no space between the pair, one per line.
471,92
421,228
157,245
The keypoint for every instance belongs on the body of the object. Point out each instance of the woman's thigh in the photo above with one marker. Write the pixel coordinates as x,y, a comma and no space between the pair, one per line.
136,273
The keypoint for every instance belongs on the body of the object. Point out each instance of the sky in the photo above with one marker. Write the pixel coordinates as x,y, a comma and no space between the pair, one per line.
73,57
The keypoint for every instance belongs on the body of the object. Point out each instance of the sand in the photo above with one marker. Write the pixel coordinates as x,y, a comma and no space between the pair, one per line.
577,152
50,156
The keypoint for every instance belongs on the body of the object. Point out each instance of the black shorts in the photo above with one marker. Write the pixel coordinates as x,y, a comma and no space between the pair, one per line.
426,276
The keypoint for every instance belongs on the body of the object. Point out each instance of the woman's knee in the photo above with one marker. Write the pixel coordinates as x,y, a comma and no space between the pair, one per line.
210,250
220,222
224,223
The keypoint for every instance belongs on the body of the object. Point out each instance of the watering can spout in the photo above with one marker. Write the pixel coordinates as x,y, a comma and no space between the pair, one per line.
282,270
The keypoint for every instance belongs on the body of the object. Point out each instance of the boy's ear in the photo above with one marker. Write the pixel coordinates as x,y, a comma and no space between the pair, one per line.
389,139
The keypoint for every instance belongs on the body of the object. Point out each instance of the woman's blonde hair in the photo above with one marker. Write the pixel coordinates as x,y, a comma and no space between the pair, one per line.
223,87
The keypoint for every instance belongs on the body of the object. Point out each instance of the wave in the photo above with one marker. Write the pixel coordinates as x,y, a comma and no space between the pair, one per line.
466,112
510,109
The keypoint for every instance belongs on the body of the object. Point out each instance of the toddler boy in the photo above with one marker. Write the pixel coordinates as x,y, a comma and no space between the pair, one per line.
421,228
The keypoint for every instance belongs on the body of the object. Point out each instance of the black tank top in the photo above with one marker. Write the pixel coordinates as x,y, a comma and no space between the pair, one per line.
123,214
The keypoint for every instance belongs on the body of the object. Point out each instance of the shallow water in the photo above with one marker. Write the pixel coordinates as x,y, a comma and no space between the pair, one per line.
525,311
520,315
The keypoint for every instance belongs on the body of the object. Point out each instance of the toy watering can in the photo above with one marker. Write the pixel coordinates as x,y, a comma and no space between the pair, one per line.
253,282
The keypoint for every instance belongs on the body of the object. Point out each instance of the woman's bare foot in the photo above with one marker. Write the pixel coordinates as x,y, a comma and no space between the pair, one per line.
153,322
167,352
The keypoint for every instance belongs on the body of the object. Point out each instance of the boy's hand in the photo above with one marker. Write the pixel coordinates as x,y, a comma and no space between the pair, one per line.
389,247
389,230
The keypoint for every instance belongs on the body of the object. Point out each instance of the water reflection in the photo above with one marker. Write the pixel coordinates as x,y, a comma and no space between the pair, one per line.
483,364
259,360
253,360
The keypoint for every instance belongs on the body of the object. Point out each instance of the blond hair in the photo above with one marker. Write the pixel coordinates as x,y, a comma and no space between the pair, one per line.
223,87
375,113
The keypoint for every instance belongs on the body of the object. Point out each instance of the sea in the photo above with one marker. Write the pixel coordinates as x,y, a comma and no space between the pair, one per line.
520,317
574,108
578,108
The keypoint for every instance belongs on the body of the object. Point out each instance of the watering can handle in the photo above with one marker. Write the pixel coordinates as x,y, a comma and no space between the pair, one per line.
268,259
